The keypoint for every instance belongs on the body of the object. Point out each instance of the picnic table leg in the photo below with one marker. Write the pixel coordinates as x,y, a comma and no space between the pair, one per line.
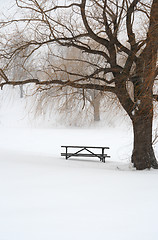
66,153
103,158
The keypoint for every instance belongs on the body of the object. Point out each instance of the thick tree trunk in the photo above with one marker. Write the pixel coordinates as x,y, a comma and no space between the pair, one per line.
143,154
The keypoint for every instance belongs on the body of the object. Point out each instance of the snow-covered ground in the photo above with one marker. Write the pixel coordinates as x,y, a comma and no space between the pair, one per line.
45,197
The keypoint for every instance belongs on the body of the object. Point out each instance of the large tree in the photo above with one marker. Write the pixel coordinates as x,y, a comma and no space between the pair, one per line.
119,29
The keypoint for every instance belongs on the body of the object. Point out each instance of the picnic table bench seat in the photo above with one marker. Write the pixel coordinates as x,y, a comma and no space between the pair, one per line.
89,152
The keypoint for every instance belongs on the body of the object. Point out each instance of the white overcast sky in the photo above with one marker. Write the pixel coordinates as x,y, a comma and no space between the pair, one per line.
6,5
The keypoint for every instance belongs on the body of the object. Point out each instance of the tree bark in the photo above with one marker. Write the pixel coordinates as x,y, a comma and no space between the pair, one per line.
143,154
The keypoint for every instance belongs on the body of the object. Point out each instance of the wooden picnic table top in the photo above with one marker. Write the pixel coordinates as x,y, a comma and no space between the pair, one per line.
85,147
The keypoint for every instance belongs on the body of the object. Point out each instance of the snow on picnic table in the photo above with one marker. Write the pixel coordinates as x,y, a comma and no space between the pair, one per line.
43,196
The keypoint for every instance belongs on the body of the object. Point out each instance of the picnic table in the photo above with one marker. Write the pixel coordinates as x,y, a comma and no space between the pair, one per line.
89,151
